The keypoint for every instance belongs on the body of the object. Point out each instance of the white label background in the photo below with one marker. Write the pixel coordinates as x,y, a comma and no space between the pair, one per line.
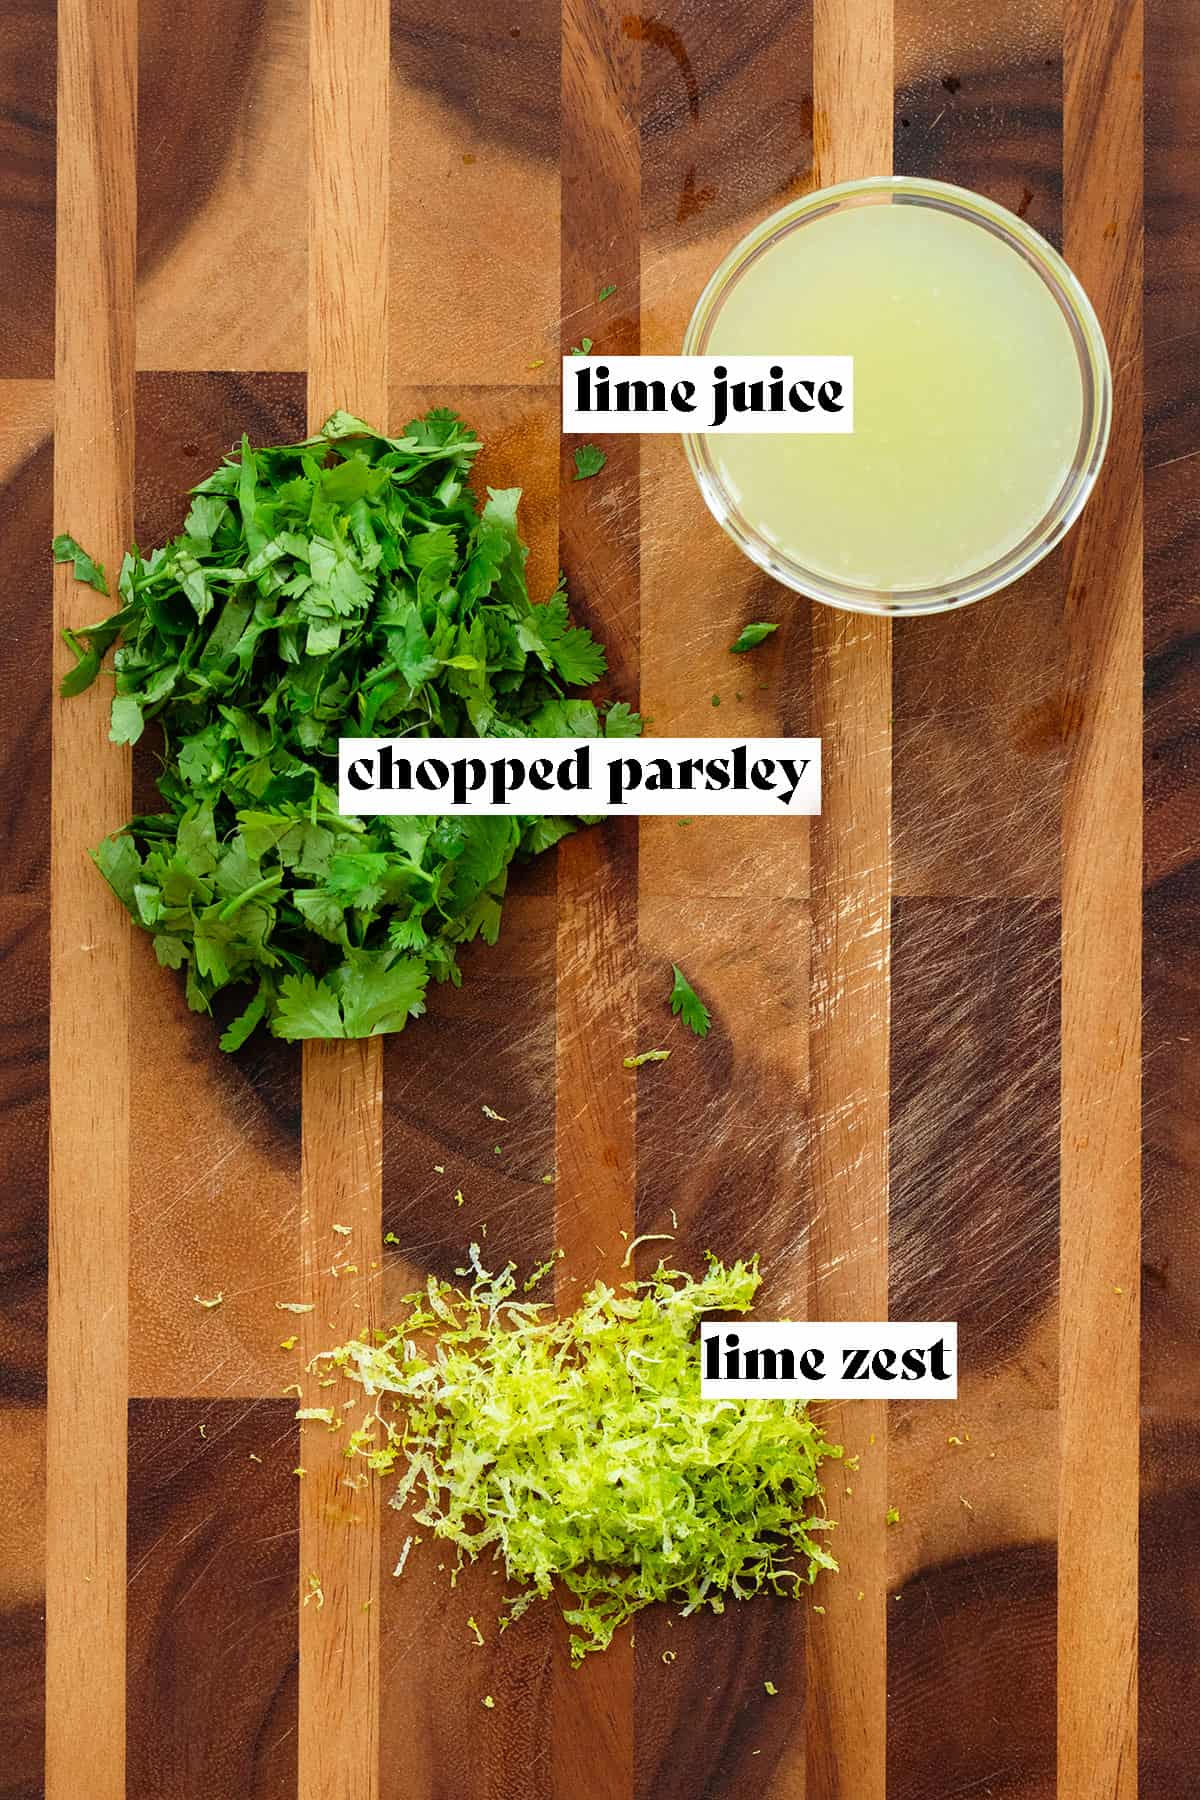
594,801
699,370
834,1338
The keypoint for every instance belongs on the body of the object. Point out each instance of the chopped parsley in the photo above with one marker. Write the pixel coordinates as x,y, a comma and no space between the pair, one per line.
347,585
67,550
606,293
750,637
686,1002
582,349
589,460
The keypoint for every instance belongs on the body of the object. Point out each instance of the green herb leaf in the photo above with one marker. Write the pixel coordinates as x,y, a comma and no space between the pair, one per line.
86,569
589,460
750,637
348,585
686,1002
606,293
646,1056
582,349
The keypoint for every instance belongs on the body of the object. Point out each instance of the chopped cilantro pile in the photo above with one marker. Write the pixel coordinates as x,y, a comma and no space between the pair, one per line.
578,1450
346,586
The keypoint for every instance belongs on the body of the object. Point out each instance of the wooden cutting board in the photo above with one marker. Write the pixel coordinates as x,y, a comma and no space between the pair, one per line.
922,1091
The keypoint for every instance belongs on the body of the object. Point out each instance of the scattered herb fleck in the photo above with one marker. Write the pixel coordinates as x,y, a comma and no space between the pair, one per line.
589,460
686,1002
583,348
606,292
86,569
217,1300
893,1515
750,637
646,1056
770,1687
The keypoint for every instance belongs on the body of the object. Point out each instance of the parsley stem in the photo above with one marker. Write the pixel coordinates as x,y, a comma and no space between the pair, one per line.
258,887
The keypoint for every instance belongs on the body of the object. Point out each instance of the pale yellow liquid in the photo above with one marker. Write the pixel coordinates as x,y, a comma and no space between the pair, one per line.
968,397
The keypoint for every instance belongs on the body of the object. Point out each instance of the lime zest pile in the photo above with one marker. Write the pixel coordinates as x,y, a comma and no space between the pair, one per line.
577,1450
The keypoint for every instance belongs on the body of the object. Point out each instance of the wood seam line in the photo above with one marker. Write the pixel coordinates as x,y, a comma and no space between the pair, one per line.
1100,1250
88,1276
853,103
342,1086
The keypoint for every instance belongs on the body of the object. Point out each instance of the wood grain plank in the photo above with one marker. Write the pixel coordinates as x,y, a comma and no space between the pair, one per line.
488,1043
89,944
974,1212
26,510
850,1001
27,168
979,731
1170,1336
979,765
342,1091
222,261
475,120
596,954
474,155
1169,1571
722,1129
211,1667
226,1223
1102,854
22,1600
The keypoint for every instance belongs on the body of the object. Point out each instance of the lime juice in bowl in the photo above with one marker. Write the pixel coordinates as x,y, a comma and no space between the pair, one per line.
982,396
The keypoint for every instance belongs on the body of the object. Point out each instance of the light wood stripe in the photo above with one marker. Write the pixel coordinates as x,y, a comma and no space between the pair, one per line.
89,1049
1101,942
851,882
342,1089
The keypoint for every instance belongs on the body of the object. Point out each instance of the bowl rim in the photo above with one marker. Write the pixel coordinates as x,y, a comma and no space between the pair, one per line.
1095,382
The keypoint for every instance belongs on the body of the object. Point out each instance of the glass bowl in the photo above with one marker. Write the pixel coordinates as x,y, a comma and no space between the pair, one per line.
1094,373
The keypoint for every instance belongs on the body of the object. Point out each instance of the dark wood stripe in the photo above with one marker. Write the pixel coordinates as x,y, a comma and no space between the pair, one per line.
27,169
475,155
22,1600
1169,1571
975,1034
26,499
722,1126
222,253
213,1600
488,1043
979,752
974,1208
979,764
228,1224
597,925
